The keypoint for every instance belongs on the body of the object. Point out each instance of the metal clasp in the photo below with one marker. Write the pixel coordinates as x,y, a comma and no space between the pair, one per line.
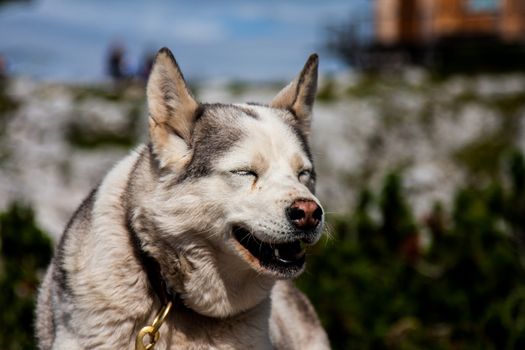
153,330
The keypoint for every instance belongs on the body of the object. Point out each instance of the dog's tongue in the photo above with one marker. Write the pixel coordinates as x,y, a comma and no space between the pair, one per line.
288,252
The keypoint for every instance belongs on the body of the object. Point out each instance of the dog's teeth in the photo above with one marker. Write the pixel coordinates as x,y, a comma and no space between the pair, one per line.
288,255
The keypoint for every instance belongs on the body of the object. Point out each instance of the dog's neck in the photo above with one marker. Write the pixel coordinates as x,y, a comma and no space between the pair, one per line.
203,291
151,268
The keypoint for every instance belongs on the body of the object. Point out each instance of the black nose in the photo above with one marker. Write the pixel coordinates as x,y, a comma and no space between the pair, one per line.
304,214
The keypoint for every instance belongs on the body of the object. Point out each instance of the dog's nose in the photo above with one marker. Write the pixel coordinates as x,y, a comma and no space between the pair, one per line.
305,214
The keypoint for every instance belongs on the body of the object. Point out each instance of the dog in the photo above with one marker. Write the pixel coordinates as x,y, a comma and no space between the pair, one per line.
212,215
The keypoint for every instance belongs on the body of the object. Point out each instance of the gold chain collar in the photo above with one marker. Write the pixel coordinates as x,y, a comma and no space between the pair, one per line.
152,331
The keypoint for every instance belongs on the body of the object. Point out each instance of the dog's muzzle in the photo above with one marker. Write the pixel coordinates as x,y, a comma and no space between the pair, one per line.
283,258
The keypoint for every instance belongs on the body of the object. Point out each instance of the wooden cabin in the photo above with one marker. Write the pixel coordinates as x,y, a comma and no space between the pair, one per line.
420,22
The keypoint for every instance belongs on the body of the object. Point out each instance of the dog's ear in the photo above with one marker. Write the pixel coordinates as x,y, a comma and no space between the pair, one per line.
299,95
172,110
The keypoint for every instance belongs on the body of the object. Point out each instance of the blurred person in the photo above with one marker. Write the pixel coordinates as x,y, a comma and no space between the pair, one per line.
3,73
145,67
3,67
116,65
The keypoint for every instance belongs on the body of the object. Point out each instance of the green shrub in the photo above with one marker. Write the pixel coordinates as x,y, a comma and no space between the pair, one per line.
376,286
24,253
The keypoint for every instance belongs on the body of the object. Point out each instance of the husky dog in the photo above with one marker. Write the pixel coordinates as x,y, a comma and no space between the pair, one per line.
213,214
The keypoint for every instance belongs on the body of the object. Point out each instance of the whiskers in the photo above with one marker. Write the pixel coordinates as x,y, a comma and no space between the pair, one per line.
328,232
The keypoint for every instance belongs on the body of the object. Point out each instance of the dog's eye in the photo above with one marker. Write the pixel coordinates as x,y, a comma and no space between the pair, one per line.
244,172
304,175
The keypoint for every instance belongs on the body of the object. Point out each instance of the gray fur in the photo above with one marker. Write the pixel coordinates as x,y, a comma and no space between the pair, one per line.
211,139
176,201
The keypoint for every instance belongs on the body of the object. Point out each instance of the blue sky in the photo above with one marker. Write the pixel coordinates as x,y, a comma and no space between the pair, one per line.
239,39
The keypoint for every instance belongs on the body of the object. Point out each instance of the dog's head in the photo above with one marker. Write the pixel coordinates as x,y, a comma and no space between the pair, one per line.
238,178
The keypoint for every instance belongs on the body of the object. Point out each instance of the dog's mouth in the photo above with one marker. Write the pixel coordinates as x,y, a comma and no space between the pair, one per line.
286,259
